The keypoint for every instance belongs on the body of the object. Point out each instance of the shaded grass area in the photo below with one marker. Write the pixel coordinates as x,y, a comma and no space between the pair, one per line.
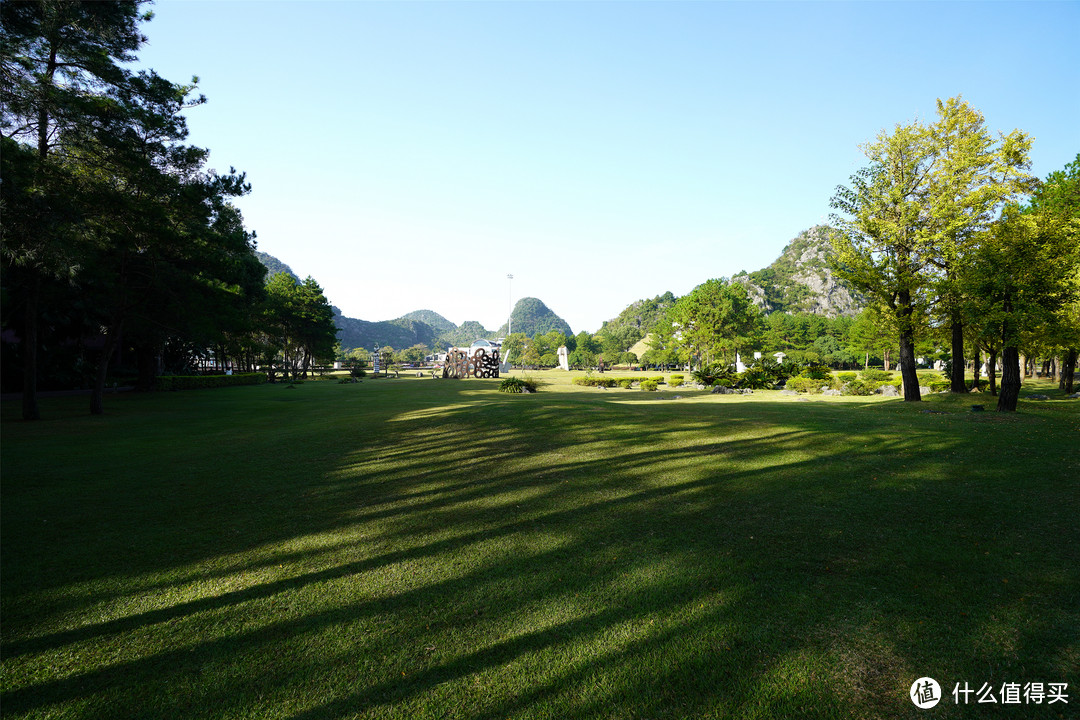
422,549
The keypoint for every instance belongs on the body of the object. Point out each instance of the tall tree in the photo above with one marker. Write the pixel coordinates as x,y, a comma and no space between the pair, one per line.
59,63
301,322
1056,205
1024,274
882,246
971,177
717,318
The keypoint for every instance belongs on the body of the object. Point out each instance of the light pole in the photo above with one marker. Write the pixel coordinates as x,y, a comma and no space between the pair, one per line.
510,305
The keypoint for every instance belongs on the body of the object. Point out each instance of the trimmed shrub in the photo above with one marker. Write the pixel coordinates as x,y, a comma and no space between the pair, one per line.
846,377
198,382
936,382
518,385
649,385
817,372
626,383
803,384
658,379
859,386
675,381
597,381
876,375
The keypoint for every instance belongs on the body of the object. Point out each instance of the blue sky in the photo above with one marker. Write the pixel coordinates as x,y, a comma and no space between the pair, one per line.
410,155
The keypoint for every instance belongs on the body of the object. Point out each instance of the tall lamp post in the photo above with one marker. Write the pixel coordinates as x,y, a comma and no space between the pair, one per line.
510,305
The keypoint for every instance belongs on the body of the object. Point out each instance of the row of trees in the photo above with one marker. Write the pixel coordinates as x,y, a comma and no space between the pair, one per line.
117,239
936,231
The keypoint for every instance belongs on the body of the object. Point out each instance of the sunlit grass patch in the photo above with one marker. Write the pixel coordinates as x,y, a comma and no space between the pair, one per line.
422,548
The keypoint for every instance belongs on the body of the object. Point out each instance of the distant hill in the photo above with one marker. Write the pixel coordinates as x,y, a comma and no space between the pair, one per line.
800,280
429,317
638,319
533,317
465,334
364,334
274,266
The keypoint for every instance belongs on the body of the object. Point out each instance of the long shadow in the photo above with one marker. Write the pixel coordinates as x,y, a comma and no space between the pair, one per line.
731,533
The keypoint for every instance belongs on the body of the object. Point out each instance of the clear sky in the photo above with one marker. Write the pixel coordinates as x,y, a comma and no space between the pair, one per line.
410,155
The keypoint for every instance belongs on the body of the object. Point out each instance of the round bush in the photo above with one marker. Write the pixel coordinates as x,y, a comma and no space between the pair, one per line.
649,385
511,385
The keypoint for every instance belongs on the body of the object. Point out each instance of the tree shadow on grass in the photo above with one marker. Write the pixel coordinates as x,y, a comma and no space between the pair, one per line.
584,560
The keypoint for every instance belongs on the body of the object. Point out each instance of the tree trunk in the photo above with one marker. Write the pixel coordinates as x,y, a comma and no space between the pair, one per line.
957,384
904,312
146,359
991,372
30,409
907,368
1010,379
1068,370
976,361
97,403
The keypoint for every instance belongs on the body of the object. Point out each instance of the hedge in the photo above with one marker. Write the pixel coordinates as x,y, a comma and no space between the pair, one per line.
196,382
596,382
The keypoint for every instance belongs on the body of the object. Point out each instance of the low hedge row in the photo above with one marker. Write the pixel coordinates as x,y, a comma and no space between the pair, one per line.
625,383
197,382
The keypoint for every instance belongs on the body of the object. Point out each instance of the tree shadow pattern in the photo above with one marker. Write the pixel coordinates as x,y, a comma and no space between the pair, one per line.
461,554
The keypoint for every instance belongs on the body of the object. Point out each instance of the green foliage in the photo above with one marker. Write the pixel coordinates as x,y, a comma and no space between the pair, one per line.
935,381
876,375
709,375
197,382
755,378
846,377
802,383
626,383
597,381
635,322
649,385
859,386
717,318
675,381
511,384
817,372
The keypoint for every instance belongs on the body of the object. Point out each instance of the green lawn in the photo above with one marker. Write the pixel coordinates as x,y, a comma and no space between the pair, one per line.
437,549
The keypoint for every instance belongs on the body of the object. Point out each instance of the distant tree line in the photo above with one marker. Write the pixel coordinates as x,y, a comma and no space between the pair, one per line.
119,246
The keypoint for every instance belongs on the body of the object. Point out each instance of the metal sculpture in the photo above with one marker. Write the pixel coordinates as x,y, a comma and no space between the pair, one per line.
475,362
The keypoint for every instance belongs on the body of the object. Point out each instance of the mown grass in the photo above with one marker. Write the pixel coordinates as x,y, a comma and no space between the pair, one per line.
426,549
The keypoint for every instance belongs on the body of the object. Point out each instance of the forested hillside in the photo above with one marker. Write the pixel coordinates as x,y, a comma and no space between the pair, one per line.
801,280
532,317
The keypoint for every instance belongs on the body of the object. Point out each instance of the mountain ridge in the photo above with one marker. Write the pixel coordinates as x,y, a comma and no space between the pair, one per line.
799,280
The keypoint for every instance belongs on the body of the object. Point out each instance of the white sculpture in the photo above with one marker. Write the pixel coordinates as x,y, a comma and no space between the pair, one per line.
564,360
